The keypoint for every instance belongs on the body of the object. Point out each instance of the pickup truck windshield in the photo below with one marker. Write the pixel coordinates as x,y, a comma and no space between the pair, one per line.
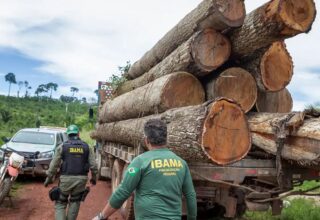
34,138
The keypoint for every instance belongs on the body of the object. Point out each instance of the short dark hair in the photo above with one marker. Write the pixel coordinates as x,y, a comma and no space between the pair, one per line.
156,132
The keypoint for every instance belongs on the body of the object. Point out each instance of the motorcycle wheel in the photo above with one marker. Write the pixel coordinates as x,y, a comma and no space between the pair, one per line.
5,187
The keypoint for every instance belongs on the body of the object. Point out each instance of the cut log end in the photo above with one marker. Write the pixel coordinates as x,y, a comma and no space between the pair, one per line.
298,15
276,67
210,50
226,136
183,89
233,11
274,102
236,84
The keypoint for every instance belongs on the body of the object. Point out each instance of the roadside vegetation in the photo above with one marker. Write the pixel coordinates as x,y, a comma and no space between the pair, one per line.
30,112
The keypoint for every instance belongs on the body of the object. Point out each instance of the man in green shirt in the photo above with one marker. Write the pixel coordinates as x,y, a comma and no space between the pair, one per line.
159,178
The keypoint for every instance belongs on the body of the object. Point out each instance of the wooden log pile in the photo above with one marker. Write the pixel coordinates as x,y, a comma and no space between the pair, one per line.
218,79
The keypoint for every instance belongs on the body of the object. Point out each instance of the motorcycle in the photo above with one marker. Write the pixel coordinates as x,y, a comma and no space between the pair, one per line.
11,163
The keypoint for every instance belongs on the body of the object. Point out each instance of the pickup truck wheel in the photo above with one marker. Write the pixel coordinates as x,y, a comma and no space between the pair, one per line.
116,174
126,209
5,187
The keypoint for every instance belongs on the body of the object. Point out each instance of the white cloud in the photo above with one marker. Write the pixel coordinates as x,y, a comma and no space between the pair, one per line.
84,41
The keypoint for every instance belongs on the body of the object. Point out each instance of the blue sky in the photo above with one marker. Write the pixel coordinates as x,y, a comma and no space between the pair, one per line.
79,42
25,69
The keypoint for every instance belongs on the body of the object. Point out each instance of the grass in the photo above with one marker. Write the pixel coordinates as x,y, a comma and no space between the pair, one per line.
85,136
299,209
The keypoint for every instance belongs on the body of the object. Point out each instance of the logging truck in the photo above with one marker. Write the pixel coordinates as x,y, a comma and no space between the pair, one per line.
218,79
253,183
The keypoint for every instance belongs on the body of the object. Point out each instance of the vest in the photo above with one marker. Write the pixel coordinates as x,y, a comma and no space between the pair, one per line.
75,157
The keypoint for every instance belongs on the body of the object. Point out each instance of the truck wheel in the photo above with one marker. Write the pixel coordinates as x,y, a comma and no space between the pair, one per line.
126,209
116,174
5,187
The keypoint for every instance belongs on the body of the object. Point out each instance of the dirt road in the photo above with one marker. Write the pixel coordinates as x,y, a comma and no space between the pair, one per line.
31,202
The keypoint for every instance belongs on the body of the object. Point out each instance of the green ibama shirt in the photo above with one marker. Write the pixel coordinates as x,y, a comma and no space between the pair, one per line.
159,178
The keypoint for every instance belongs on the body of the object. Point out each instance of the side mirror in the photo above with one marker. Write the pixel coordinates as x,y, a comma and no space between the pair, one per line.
6,139
36,154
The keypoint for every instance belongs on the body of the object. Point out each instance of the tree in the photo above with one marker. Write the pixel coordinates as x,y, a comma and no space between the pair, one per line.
27,91
20,84
67,99
52,87
26,86
96,92
41,89
74,90
11,78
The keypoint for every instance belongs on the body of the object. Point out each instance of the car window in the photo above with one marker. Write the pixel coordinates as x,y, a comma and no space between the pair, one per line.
64,136
31,137
59,140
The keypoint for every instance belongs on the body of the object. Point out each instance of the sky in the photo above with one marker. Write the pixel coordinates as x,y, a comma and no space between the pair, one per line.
80,42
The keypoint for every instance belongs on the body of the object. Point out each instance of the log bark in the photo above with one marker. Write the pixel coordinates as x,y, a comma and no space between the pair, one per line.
274,102
234,83
303,143
216,14
272,67
218,131
170,91
274,21
202,53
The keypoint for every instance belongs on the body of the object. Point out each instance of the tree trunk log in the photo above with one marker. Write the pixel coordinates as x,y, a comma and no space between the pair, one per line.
274,21
274,102
218,131
216,14
303,143
272,67
234,83
202,53
171,91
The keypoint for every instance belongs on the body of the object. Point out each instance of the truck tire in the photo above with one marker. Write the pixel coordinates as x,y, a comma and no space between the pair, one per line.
127,210
5,187
116,174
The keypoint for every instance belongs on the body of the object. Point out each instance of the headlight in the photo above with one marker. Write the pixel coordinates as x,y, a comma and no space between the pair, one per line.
47,154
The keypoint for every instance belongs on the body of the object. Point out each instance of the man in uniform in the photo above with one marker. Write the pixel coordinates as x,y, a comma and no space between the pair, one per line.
159,178
77,158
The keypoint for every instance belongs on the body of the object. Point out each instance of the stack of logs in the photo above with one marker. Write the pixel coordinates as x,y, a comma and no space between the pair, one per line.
218,79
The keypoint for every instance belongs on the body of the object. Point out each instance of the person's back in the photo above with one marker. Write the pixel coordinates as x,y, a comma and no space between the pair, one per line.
159,178
158,194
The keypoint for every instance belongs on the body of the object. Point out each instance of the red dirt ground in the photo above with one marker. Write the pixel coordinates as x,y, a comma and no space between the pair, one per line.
32,202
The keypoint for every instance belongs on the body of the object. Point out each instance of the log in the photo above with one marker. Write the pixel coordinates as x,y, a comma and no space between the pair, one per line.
301,146
170,91
234,83
272,67
216,14
274,21
202,53
218,131
274,102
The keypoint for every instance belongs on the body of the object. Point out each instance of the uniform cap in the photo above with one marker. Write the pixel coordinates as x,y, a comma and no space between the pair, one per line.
72,129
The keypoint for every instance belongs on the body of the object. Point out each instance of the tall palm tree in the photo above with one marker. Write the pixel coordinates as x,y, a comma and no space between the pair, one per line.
74,90
52,87
26,86
11,78
20,84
